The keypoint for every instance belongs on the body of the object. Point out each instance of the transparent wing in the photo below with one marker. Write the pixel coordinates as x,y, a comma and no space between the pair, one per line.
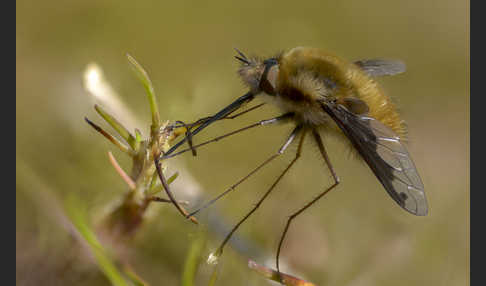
387,157
381,67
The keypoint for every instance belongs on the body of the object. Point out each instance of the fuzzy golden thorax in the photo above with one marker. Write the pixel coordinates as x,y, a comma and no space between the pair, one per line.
310,75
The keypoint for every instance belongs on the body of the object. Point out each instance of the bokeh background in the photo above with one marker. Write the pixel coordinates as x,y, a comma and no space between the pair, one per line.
355,236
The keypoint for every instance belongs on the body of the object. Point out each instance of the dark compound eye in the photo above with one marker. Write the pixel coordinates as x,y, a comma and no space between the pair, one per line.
269,76
270,62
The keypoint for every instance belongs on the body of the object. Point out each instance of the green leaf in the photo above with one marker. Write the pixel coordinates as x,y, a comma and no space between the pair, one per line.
147,84
120,129
134,278
193,259
214,276
138,140
104,261
111,138
156,188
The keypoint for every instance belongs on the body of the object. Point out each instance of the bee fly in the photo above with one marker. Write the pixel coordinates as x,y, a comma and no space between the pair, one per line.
321,93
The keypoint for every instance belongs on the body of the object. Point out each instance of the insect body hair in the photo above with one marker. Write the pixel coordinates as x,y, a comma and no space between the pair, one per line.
380,105
251,72
338,78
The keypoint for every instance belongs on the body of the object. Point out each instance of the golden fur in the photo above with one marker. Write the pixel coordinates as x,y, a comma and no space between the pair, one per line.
308,76
303,72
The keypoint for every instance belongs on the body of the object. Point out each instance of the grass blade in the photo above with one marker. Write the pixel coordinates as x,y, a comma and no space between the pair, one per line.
147,84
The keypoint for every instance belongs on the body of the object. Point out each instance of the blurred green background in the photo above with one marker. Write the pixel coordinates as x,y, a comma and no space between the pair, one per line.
355,236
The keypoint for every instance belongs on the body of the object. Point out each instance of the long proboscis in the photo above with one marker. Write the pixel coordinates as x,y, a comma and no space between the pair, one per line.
221,114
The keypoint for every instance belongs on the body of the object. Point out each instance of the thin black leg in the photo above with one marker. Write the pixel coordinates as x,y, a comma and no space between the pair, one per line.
318,140
221,114
292,136
164,181
259,123
204,119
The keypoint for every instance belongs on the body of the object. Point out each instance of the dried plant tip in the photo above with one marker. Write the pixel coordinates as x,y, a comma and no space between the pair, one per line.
110,137
193,219
125,177
119,128
280,277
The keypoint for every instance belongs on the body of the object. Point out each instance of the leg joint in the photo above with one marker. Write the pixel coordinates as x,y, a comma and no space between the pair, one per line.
292,216
337,180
